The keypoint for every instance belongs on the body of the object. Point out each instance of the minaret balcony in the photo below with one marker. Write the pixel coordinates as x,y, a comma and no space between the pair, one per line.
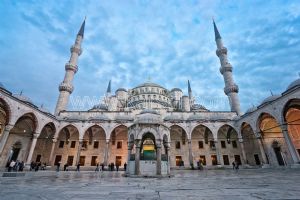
71,67
226,68
231,88
65,87
75,49
222,51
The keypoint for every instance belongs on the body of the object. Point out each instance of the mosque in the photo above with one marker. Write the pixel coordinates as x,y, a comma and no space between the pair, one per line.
152,128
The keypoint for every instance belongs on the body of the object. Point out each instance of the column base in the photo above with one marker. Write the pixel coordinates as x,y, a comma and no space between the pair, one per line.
295,166
265,166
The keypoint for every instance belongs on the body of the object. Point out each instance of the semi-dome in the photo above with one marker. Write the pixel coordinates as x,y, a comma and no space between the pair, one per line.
270,99
294,84
100,106
121,90
23,98
176,90
148,116
149,110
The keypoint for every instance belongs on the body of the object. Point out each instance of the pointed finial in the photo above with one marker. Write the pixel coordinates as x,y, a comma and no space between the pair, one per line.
217,34
271,93
149,79
21,92
189,87
109,87
299,74
81,30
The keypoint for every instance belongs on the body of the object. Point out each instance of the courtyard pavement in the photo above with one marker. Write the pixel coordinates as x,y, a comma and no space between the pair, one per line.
186,184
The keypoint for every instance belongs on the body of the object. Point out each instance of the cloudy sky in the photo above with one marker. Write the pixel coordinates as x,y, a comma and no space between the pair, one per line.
169,41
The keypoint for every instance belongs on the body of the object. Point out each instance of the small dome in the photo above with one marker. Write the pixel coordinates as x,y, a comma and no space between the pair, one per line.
148,110
252,109
294,84
121,89
176,90
100,106
198,107
23,98
270,99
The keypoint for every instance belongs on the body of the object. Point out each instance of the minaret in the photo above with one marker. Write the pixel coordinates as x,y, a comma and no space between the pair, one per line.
231,89
66,87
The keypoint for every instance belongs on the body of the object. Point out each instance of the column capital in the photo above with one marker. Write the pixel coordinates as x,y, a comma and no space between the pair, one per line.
8,127
54,140
35,135
80,141
137,143
241,140
284,127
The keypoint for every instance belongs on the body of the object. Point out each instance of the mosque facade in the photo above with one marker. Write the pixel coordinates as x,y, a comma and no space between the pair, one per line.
152,128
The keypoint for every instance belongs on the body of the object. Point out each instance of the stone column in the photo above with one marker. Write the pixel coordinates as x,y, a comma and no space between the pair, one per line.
79,151
106,153
4,137
158,157
52,151
168,159
137,156
190,152
290,145
32,147
218,153
262,151
244,157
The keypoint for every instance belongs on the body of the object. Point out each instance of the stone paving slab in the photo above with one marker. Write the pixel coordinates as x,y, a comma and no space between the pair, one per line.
207,184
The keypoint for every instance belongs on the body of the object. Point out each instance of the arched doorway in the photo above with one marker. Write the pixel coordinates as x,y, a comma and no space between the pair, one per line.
93,146
203,148
44,144
20,138
251,146
228,145
271,133
118,146
179,154
4,116
67,145
291,114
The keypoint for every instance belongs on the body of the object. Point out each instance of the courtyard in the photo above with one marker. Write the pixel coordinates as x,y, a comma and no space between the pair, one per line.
185,184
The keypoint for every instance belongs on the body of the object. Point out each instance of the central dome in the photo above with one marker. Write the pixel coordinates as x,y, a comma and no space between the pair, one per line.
149,84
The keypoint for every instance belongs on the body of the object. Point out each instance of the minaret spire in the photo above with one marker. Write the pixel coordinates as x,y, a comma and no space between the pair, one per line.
81,30
66,87
189,90
231,89
108,90
217,34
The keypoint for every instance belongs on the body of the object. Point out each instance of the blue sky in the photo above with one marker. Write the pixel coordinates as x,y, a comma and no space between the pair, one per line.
169,41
